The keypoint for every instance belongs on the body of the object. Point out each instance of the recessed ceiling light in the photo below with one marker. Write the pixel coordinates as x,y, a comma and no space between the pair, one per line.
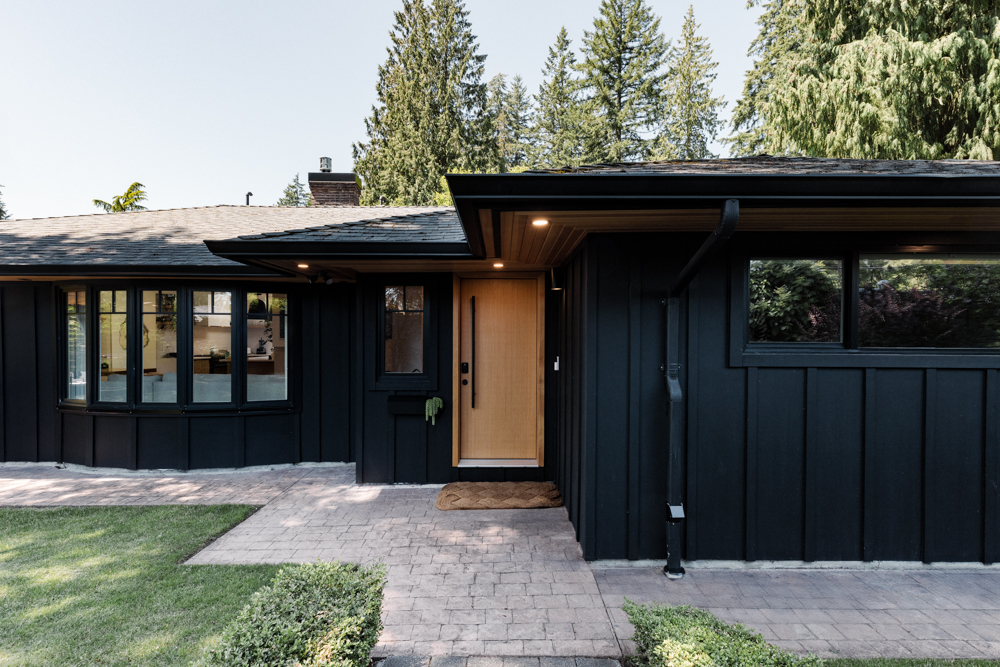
539,222
498,265
303,266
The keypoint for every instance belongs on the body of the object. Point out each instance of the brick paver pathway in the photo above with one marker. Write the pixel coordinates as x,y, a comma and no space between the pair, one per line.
514,583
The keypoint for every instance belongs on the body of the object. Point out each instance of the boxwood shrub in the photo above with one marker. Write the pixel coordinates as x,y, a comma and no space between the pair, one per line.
319,614
689,637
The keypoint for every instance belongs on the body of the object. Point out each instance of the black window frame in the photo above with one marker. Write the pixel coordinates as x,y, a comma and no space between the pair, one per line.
374,300
847,353
185,346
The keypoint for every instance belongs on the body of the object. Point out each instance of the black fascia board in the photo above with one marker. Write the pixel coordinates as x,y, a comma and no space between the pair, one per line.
238,250
608,191
136,270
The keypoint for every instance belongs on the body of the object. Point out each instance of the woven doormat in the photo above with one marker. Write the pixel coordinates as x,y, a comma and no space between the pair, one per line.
498,496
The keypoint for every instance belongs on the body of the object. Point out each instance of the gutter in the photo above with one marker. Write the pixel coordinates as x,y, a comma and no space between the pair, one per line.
675,431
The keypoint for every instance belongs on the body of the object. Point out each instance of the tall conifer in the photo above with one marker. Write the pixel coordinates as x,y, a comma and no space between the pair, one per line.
885,79
431,114
4,215
623,77
692,113
779,36
558,137
295,194
520,118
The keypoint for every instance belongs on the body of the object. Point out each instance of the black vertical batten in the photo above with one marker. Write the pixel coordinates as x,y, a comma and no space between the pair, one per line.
930,474
634,484
869,475
675,437
991,468
812,469
751,466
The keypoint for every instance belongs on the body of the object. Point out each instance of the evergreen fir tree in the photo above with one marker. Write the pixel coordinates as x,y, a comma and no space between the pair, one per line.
496,112
4,214
779,35
692,113
914,80
557,136
519,113
431,115
295,194
623,77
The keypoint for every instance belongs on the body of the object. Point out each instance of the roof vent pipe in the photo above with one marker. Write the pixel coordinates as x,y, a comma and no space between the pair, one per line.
325,165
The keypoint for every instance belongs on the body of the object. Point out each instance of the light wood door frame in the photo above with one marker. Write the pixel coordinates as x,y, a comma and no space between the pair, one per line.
456,353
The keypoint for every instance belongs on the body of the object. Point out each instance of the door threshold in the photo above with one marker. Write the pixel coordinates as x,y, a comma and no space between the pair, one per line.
497,463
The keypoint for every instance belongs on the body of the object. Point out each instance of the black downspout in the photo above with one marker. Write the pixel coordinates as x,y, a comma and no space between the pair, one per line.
675,508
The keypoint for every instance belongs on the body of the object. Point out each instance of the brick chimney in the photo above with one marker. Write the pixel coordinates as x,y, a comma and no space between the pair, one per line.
330,189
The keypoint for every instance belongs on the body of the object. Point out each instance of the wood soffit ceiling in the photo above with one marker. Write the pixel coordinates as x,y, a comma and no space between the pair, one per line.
523,246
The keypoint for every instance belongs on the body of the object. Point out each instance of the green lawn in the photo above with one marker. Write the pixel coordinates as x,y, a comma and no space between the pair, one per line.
104,585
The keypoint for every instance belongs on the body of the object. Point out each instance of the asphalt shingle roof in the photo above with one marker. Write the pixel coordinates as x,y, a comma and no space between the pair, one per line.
176,237
766,164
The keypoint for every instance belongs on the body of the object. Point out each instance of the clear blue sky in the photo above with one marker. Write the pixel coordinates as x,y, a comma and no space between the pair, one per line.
204,100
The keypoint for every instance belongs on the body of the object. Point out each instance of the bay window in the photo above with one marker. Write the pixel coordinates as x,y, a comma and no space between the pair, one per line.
170,348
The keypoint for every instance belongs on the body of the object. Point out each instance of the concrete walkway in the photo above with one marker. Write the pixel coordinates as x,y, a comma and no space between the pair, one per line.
514,583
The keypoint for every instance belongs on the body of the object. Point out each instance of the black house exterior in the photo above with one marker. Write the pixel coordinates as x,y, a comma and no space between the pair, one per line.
802,353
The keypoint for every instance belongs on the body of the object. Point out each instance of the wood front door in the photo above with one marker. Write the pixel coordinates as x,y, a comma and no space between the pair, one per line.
499,370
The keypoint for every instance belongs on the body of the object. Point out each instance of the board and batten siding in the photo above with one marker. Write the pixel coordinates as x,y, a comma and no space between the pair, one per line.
34,430
813,464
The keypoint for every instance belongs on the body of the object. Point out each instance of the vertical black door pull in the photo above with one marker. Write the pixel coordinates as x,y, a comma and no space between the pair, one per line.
472,326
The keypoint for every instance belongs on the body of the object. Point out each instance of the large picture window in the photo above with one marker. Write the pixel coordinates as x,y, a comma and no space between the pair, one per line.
212,336
930,301
76,345
113,318
404,329
267,347
159,346
867,309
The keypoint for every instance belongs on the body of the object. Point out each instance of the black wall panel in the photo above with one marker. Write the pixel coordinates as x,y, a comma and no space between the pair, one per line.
270,439
954,466
212,440
113,443
894,472
160,443
20,366
77,439
45,349
779,468
835,464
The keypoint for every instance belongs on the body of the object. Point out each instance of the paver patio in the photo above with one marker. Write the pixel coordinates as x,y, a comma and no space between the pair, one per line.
514,583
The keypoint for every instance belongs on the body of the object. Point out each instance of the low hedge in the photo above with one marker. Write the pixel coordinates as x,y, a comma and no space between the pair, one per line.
314,615
689,637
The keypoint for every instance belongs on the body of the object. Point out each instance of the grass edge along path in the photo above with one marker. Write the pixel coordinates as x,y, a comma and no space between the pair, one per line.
666,636
105,585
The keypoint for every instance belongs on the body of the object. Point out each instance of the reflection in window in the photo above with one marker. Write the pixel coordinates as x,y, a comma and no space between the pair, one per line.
76,345
404,329
267,354
114,345
929,301
213,342
159,346
796,300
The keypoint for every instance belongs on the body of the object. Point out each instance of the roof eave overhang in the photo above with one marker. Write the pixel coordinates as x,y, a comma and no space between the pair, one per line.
261,249
140,270
644,191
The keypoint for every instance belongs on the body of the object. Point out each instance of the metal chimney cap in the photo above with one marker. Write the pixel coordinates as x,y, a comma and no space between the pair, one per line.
325,164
